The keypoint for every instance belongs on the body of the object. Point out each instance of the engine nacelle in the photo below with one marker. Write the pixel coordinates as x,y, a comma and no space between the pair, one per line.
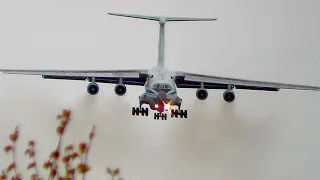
120,89
93,88
202,94
229,96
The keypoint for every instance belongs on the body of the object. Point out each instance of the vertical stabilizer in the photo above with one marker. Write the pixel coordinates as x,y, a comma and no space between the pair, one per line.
162,21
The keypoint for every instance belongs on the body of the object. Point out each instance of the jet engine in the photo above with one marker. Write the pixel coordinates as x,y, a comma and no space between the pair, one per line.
93,88
120,89
229,96
202,94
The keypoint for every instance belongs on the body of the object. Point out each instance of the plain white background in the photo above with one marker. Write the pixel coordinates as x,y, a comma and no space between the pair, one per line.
262,135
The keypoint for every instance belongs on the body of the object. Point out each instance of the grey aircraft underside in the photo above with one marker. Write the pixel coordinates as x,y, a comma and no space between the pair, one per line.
160,83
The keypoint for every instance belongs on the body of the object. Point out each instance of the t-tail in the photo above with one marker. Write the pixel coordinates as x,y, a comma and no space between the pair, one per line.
162,21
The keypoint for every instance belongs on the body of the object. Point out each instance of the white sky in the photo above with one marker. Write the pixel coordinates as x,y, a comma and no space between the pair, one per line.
261,136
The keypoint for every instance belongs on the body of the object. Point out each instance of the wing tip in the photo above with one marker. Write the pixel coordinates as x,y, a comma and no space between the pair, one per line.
112,14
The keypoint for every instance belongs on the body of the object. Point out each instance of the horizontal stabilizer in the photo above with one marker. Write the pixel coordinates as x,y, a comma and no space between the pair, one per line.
160,18
189,19
154,18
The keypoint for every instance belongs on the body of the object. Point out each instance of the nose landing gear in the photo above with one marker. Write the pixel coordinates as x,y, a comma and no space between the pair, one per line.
163,116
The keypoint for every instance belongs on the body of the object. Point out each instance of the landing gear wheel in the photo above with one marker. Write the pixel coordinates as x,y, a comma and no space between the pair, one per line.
158,115
135,111
174,113
184,114
181,113
143,111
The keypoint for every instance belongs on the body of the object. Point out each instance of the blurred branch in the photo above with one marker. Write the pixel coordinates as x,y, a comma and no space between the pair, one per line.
70,154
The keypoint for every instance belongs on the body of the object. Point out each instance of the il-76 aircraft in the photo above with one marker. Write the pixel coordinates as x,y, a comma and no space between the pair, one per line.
160,83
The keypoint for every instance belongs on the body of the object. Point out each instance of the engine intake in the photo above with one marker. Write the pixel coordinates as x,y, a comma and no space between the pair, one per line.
120,89
229,96
93,88
202,94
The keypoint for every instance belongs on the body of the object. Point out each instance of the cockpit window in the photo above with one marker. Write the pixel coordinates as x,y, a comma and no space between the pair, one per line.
162,87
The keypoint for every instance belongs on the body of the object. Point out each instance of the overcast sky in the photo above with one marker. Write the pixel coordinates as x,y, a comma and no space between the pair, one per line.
262,135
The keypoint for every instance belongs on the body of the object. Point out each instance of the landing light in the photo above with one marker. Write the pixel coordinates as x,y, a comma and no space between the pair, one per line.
156,106
167,106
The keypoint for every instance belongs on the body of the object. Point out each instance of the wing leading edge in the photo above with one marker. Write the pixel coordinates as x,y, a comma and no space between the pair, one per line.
129,77
191,80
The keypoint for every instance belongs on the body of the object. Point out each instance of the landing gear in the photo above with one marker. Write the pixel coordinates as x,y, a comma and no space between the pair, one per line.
163,116
136,111
181,113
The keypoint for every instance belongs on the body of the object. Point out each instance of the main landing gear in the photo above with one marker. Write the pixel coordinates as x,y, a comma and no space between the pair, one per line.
136,111
181,113
174,114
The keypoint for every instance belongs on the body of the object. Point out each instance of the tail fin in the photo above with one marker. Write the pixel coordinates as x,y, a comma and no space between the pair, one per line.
162,21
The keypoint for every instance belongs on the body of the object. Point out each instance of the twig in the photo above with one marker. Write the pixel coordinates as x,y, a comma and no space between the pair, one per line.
91,136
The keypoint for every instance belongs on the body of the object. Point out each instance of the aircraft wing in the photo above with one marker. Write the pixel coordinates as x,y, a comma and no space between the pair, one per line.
190,80
129,77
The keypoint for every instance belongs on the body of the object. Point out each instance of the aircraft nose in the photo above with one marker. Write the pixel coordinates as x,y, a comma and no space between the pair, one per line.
162,95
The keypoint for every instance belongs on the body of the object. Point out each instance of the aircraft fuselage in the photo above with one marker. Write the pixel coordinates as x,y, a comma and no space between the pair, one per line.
160,91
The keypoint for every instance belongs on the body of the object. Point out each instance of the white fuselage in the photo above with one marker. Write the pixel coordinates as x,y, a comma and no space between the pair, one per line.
160,90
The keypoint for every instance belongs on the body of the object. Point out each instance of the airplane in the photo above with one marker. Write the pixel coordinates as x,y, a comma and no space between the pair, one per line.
160,83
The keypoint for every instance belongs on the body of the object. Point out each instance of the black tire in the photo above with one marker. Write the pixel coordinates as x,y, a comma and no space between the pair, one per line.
185,114
181,114
138,111
176,113
172,113
144,111
156,116
135,111
164,116
147,111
